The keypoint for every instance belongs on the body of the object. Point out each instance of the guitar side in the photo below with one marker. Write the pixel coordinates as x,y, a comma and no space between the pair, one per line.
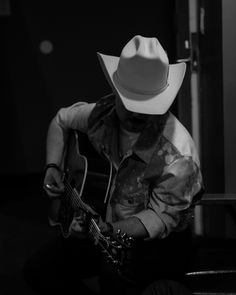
62,210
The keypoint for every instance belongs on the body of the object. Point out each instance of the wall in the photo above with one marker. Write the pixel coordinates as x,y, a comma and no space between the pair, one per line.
36,85
229,73
229,82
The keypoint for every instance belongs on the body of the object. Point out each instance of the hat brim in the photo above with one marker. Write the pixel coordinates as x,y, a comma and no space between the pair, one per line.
143,103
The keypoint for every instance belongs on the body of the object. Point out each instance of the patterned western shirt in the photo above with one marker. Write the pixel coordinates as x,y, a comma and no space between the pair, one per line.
156,181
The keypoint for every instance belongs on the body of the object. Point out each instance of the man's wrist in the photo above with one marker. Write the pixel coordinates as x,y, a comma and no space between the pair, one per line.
52,165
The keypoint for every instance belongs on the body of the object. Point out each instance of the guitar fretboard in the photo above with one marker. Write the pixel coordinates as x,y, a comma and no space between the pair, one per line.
78,204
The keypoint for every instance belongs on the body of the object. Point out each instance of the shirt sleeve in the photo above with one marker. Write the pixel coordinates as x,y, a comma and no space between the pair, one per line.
173,193
75,116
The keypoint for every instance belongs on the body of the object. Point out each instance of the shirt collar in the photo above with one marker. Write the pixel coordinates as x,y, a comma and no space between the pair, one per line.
147,140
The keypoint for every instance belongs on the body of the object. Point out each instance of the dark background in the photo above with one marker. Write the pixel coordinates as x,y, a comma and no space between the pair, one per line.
34,85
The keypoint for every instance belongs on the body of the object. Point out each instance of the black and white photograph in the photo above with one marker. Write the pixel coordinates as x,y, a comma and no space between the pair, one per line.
117,160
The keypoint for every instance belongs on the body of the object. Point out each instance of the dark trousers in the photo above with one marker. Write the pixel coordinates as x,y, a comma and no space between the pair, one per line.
61,265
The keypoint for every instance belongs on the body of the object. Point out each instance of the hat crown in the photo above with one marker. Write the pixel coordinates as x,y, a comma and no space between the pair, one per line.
143,66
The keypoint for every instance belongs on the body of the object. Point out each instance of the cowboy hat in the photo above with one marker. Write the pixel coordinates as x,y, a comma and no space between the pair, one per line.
142,76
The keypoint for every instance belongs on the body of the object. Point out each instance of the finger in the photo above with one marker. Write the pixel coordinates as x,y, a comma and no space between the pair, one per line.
51,192
79,218
48,186
53,181
77,227
53,188
52,195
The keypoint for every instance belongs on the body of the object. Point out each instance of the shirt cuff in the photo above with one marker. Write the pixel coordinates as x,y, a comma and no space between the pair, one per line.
152,222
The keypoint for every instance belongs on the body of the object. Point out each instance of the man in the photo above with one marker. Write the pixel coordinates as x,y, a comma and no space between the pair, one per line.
156,167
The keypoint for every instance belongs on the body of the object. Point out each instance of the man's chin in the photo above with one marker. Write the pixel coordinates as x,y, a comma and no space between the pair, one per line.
132,127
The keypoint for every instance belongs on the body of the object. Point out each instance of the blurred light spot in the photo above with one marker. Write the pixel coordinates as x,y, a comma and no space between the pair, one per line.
46,47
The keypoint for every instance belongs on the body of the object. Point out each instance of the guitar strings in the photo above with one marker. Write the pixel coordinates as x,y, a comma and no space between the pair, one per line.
75,197
93,230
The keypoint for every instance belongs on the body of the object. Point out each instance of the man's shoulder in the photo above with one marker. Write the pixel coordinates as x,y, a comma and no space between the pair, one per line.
180,138
102,107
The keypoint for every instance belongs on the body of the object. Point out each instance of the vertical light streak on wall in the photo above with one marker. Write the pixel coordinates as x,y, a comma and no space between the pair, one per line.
193,27
229,91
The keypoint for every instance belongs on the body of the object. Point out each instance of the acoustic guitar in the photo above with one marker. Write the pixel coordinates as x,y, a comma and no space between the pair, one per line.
84,190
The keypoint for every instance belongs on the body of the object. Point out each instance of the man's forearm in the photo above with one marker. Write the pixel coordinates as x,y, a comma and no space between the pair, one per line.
56,138
132,227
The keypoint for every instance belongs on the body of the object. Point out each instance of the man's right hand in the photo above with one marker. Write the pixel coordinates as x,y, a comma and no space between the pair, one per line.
53,183
79,227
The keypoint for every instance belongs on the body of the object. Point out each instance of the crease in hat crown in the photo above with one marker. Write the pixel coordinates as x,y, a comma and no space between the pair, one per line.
143,66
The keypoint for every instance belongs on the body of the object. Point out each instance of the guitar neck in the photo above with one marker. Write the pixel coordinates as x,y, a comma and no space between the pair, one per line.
76,200
93,229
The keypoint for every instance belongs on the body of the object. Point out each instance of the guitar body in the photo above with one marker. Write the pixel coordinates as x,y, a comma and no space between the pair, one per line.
84,195
81,184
